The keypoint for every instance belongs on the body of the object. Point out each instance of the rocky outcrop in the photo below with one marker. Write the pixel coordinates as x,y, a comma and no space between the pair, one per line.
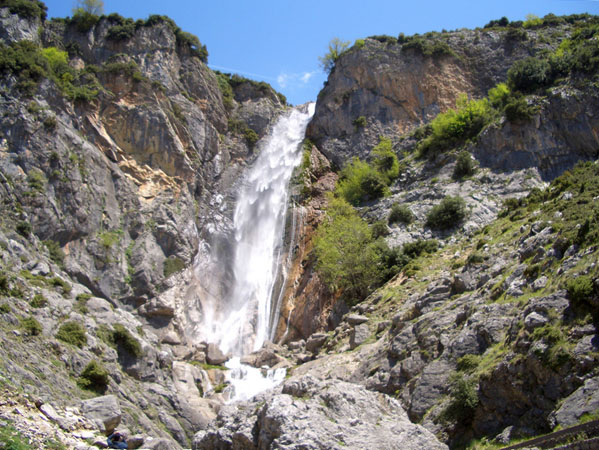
307,413
564,132
397,87
120,184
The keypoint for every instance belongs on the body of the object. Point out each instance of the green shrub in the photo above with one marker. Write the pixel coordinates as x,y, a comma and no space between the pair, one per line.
56,253
123,30
335,49
468,363
464,165
24,60
58,60
94,377
517,109
580,289
359,43
385,160
191,42
38,301
81,305
384,39
250,136
26,8
346,253
456,125
123,339
360,182
24,229
4,284
426,47
400,213
83,21
173,264
72,333
503,22
416,248
31,326
447,214
59,282
499,95
532,21
5,308
359,122
36,180
379,229
464,399
530,74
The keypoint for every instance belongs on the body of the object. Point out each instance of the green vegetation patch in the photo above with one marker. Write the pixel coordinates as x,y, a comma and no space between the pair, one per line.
361,182
172,265
94,377
31,326
455,126
400,214
448,213
72,333
125,340
12,439
26,8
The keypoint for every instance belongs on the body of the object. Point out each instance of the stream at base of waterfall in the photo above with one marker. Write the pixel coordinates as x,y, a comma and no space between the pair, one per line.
248,315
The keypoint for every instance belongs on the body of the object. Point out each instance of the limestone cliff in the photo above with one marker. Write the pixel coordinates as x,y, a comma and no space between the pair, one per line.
487,336
116,140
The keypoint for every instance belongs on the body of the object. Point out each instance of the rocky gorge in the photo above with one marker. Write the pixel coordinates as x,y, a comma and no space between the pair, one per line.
121,157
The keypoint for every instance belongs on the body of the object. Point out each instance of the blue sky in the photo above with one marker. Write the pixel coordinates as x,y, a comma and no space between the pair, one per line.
279,41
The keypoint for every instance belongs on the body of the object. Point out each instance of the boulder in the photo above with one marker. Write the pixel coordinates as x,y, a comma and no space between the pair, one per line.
104,412
358,335
214,355
585,400
306,413
356,319
315,342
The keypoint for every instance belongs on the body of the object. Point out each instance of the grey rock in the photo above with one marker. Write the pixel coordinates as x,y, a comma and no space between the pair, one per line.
135,441
214,355
355,319
311,414
104,412
315,342
358,335
540,283
584,400
534,320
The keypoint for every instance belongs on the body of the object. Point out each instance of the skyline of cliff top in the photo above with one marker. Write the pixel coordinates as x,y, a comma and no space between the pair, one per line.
280,41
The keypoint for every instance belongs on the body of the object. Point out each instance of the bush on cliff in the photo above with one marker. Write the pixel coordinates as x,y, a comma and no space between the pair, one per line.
455,126
72,333
25,8
360,182
346,255
448,213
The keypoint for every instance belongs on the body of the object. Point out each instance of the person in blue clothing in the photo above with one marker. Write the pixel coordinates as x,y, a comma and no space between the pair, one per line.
117,440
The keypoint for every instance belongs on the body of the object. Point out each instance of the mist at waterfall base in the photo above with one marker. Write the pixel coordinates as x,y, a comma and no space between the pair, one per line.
248,317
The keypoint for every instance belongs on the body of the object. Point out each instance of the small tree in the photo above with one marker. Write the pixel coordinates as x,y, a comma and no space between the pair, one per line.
336,48
448,213
94,7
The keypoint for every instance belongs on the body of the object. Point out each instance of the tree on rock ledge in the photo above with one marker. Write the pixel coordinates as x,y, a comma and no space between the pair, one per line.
95,7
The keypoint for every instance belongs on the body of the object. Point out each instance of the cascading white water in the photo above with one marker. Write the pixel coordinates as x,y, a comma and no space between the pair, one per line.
242,322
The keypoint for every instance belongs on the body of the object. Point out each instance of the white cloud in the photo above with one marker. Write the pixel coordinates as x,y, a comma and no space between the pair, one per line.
306,76
293,80
283,79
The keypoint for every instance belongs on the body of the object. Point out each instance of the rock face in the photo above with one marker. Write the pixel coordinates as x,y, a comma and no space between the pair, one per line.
123,174
308,414
397,87
563,133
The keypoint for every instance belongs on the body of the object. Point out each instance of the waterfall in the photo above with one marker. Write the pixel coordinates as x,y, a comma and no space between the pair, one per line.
248,316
